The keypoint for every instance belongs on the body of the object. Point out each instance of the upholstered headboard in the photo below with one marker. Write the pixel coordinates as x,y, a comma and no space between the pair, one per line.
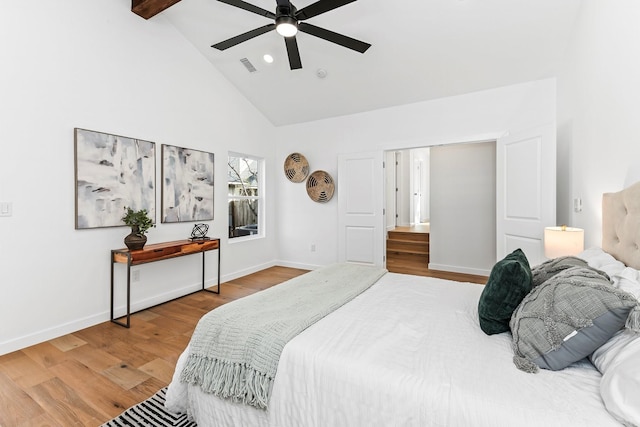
621,225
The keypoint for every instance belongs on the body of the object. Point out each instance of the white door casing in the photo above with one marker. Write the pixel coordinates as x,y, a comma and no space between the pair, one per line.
390,187
525,191
416,191
360,208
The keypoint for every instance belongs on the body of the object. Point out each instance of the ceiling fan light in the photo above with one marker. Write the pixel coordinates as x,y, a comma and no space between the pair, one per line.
286,26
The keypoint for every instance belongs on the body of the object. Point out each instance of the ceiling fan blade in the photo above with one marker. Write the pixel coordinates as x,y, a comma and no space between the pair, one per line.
294,54
340,39
251,8
226,44
321,6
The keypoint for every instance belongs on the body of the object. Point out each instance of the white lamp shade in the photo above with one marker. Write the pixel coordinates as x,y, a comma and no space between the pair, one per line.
563,241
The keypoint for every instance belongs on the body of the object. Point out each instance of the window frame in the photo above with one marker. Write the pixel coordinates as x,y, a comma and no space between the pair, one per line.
259,197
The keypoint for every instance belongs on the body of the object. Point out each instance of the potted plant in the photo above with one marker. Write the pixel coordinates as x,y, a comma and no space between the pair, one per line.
139,222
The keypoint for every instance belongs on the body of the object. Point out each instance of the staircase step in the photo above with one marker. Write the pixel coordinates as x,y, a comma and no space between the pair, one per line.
416,271
406,246
407,257
408,252
408,236
407,263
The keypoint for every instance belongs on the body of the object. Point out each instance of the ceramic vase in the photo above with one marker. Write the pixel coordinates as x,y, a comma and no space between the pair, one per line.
135,241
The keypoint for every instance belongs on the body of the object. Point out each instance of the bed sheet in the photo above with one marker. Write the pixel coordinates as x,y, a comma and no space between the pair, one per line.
408,352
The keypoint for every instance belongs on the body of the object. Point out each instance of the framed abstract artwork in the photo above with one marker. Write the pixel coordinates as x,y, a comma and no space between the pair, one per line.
187,184
112,172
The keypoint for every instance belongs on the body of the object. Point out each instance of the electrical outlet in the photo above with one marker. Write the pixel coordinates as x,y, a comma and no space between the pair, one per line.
577,204
135,276
6,208
313,247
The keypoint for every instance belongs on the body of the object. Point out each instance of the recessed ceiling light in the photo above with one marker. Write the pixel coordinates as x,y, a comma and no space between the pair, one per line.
321,73
268,58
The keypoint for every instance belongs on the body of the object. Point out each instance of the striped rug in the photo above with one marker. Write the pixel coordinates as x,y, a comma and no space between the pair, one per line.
149,413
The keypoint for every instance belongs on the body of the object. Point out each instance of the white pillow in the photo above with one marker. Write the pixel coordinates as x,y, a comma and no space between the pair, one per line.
597,258
628,280
604,357
617,359
620,384
623,277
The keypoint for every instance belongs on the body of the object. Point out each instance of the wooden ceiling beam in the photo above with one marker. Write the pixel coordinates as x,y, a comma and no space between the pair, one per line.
149,8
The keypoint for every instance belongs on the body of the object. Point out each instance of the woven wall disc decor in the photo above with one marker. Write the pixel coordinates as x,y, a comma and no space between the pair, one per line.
296,167
320,186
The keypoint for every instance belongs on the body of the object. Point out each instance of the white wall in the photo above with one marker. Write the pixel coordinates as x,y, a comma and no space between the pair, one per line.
96,65
477,116
463,208
598,111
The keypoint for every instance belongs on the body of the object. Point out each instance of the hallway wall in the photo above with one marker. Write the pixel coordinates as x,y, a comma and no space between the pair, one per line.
463,208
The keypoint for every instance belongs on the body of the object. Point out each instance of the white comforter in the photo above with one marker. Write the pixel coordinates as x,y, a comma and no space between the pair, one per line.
407,352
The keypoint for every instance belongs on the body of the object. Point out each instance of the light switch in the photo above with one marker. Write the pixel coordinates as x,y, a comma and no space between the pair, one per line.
577,204
6,209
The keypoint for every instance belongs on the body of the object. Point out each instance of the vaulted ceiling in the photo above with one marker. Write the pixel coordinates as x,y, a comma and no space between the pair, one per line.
421,50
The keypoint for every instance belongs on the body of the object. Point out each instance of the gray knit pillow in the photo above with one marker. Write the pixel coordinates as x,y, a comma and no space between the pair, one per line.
566,318
545,271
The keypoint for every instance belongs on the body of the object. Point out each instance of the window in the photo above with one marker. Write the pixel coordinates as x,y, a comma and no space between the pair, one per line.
245,195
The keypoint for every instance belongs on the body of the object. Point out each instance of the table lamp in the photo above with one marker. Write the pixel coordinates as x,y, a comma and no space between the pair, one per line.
563,241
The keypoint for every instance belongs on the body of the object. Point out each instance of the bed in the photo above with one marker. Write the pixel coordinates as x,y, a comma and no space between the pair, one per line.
410,351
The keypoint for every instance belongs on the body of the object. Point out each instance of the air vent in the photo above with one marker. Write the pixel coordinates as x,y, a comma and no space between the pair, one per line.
248,65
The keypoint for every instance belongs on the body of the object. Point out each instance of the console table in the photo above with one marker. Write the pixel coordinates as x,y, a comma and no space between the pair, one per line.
159,252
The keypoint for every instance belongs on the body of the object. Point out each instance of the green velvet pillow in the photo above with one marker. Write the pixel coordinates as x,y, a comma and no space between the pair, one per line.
508,284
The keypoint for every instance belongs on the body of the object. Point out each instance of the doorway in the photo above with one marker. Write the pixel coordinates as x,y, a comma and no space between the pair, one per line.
525,200
448,193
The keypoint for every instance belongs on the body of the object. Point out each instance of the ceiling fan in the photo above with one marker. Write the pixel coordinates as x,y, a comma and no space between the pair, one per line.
288,21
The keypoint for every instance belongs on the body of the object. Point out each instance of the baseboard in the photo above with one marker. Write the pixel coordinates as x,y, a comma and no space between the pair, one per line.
246,271
298,265
121,310
51,333
458,269
86,322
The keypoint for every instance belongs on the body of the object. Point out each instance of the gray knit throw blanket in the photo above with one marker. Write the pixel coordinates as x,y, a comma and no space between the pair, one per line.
235,349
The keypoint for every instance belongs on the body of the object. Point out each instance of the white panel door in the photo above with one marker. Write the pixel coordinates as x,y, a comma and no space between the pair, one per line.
360,208
526,191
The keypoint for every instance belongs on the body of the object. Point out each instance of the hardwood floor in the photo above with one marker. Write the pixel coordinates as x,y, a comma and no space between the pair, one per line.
90,376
